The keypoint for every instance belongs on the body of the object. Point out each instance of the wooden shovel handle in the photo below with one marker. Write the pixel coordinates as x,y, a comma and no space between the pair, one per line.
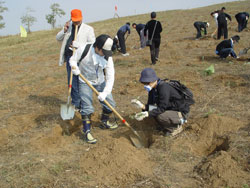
107,103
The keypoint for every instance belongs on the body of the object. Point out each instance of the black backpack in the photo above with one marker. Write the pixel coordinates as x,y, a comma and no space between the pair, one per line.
183,90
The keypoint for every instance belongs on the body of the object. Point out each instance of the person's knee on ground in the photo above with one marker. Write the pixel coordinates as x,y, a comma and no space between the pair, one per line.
86,120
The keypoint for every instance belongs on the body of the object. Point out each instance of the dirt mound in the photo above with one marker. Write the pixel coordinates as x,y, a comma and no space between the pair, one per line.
221,170
116,162
209,134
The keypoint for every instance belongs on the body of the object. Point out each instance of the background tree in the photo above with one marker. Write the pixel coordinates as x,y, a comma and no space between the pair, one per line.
56,11
2,9
27,19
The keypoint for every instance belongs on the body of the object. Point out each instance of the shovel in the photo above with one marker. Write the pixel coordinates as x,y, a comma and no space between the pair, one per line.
68,110
136,139
244,51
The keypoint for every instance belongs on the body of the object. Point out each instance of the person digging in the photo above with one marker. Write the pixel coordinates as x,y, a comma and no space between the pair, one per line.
165,104
97,66
226,47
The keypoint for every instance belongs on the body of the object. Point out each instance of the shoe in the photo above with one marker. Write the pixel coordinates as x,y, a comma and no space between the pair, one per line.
89,138
177,130
173,131
156,59
108,125
126,54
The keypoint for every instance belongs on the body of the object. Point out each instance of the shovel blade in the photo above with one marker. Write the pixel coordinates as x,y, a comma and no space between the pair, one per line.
139,141
67,111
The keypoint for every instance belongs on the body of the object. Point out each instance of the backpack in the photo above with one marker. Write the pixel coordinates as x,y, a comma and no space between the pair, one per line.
183,90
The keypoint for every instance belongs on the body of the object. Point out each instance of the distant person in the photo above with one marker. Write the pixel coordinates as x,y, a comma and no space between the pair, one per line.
116,46
222,23
201,26
140,30
98,68
165,103
121,38
226,47
154,29
242,19
215,15
66,35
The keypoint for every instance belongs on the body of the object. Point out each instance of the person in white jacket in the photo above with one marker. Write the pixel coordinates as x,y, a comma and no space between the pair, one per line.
98,68
66,35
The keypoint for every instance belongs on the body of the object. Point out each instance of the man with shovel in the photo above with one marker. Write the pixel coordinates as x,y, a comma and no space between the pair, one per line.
85,33
121,37
201,26
98,68
165,104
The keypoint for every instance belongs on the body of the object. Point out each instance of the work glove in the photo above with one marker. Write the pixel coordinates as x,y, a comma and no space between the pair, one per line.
140,116
137,103
102,96
76,71
75,44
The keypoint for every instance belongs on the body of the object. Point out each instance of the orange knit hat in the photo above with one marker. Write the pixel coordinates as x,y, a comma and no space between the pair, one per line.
76,15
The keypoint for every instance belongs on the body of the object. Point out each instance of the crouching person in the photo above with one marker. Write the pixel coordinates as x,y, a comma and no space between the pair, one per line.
92,60
165,104
226,47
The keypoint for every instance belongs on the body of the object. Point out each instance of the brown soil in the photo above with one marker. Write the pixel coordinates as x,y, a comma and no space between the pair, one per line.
38,149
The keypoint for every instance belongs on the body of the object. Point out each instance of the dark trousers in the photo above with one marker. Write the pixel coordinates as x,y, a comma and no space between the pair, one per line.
222,30
154,50
226,51
121,38
198,31
170,119
242,23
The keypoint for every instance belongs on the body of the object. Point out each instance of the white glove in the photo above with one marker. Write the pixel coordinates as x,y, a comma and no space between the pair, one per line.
75,44
140,116
102,96
137,103
76,71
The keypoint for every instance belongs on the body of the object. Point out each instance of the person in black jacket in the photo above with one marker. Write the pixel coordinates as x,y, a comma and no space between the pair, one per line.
222,23
165,103
154,29
225,48
242,19
140,30
199,27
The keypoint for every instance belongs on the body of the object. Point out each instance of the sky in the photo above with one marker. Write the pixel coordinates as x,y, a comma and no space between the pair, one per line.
92,10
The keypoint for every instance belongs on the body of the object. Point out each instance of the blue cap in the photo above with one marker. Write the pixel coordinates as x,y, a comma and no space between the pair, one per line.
148,75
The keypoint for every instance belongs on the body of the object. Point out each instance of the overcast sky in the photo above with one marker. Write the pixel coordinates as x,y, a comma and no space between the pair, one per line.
93,10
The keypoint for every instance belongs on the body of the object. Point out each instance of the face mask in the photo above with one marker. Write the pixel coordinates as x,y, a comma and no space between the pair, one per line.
148,88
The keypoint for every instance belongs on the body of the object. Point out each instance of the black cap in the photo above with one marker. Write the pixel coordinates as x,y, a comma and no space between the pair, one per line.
236,38
105,43
148,75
